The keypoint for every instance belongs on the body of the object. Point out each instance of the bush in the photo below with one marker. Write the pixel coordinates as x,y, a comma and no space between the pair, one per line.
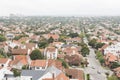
113,77
88,76
16,72
25,67
64,64
100,57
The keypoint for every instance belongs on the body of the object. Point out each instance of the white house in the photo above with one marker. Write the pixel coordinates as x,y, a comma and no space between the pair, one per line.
51,53
3,72
114,49
39,64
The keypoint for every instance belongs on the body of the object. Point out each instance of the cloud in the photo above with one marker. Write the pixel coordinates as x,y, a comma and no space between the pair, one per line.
60,7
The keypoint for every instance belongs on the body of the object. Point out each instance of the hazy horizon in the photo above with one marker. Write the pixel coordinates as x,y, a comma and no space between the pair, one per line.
60,7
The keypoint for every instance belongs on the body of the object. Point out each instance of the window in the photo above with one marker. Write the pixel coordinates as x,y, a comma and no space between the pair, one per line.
38,68
43,67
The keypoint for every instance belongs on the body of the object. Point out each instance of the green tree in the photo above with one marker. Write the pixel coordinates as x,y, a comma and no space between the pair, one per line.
72,35
115,65
93,43
20,36
50,40
100,57
113,77
2,38
2,53
63,37
1,56
82,35
36,54
88,76
16,72
25,67
85,51
43,44
99,45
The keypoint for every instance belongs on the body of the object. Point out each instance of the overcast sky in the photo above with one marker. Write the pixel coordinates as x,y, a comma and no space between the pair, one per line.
60,7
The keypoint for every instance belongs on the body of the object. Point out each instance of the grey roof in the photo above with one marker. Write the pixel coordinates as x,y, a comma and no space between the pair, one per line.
67,45
36,74
52,69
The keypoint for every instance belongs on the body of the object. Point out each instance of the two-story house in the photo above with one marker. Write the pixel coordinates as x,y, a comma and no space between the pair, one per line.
38,64
51,53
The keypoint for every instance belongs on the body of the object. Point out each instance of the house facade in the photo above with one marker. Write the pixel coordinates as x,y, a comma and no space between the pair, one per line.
51,53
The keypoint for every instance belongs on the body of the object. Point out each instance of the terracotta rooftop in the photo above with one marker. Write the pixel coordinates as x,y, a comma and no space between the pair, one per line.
3,60
54,36
117,71
51,49
110,57
56,63
39,63
30,45
19,58
75,74
19,51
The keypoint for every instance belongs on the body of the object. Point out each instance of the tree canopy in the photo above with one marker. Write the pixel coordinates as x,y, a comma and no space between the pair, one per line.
36,54
50,40
43,44
72,35
99,45
100,57
115,65
85,50
95,44
2,38
92,43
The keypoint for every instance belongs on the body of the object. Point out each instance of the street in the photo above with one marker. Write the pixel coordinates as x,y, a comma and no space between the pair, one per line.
96,71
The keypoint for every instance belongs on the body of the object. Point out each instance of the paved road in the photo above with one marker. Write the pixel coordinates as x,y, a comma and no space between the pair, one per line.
96,71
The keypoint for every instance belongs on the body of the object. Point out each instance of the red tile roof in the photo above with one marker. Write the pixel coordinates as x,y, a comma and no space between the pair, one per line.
110,58
117,71
30,45
54,36
3,60
39,63
19,58
56,63
19,51
51,49
75,74
61,76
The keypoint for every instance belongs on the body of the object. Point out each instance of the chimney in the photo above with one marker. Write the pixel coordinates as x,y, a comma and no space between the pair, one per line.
6,78
53,76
